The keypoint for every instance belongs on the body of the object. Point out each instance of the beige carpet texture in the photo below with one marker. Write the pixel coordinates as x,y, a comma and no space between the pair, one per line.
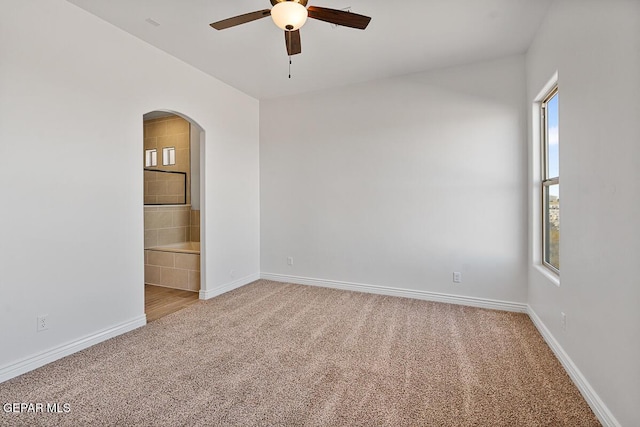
276,354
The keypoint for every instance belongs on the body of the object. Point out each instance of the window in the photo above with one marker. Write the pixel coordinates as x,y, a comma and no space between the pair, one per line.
168,156
150,158
550,181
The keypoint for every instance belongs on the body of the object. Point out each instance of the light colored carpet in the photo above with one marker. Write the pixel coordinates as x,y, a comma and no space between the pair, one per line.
274,354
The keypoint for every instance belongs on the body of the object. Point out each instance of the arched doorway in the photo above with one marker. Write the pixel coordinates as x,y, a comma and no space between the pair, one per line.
172,153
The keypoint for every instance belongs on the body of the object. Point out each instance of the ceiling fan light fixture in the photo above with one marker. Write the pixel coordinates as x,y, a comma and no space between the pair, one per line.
289,15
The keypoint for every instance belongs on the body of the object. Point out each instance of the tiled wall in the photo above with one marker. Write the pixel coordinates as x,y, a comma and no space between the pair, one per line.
164,225
195,226
164,188
172,270
172,131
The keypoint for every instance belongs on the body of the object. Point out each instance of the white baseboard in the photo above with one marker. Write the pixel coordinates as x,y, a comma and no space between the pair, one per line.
593,400
399,292
597,405
33,362
210,293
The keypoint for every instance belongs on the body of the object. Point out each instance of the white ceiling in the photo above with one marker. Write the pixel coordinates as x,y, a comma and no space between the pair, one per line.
402,38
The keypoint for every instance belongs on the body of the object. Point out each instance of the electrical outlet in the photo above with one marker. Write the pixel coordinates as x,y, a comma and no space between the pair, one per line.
232,273
43,323
563,321
457,277
290,260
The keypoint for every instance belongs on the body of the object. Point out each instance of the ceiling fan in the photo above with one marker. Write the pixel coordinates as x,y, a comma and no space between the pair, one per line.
290,15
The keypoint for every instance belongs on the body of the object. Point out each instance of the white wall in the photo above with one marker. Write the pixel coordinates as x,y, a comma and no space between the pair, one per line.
71,226
595,48
400,182
194,151
393,183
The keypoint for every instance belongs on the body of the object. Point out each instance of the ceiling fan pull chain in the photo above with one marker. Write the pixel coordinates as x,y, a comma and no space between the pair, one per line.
289,66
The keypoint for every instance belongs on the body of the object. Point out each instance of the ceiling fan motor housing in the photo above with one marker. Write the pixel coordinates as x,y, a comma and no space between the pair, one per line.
289,15
275,2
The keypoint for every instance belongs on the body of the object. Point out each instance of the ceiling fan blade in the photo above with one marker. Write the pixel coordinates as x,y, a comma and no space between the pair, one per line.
339,17
292,39
240,19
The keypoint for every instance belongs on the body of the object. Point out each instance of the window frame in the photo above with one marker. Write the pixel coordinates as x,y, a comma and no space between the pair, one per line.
546,181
